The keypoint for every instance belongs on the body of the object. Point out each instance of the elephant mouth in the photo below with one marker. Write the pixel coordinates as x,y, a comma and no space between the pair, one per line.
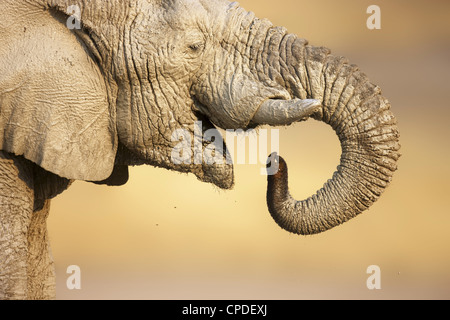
199,108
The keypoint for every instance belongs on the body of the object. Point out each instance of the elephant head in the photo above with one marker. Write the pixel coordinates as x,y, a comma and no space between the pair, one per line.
82,102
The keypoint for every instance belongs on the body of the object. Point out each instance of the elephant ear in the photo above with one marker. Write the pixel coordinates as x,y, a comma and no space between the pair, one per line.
54,107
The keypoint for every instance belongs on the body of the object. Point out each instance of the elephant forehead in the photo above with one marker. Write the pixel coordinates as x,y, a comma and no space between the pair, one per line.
182,14
185,7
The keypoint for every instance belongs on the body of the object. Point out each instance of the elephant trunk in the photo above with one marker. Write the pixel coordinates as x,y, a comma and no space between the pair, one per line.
361,118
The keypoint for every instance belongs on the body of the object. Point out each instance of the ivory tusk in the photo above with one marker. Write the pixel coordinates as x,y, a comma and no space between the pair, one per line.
277,112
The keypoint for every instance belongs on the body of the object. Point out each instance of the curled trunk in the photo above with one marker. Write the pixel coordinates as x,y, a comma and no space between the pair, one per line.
361,118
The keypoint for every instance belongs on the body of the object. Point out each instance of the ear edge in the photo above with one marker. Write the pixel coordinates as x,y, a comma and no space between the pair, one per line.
54,104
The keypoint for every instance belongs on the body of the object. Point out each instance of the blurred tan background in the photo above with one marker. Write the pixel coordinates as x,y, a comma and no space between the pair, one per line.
167,236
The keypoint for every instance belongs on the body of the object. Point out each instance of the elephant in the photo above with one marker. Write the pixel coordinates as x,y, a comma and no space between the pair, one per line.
89,88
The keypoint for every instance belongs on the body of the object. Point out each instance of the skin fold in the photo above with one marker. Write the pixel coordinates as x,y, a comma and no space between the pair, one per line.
86,103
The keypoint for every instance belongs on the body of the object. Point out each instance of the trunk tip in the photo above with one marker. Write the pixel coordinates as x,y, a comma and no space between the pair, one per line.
275,165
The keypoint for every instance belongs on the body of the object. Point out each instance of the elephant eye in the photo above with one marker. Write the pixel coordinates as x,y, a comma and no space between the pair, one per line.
197,47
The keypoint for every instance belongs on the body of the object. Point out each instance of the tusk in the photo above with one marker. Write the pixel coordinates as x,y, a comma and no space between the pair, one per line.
277,112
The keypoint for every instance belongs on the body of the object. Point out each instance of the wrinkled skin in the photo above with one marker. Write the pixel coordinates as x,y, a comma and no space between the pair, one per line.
84,104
